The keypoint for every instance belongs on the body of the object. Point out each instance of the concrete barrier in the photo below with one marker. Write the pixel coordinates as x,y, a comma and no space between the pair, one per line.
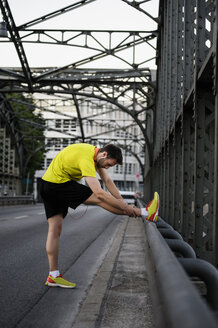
16,200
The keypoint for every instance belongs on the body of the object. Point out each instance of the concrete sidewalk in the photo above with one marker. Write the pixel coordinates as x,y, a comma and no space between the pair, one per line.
119,294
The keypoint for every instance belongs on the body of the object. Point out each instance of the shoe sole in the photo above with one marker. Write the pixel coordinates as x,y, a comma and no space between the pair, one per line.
156,217
50,284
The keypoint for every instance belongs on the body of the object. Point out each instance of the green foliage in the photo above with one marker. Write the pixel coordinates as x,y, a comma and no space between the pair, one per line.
31,126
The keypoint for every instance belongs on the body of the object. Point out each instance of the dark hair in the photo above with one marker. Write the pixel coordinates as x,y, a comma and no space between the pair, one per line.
113,152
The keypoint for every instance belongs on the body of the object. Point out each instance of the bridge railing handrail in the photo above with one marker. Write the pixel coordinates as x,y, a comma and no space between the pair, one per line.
176,301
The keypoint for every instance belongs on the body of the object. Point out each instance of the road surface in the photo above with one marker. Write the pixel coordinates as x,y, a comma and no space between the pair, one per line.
24,299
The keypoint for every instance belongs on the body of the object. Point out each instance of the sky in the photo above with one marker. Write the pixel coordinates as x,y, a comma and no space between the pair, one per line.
99,15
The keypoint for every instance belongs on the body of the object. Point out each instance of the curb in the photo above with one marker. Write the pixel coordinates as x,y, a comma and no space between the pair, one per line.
91,307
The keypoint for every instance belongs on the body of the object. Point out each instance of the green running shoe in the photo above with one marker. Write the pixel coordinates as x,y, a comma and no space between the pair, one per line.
152,208
59,282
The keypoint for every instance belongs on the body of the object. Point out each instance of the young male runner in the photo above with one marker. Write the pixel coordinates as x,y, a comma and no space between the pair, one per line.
60,190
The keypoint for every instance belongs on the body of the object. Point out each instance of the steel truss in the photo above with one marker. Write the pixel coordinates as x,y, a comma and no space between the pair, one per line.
186,138
132,90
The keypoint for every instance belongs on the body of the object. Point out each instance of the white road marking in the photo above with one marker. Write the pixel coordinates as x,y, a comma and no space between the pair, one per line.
40,213
21,217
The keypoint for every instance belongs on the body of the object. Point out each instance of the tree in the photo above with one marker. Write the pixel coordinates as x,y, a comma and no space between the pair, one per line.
31,127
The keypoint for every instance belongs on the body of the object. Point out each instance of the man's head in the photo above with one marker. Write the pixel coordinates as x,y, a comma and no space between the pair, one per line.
108,156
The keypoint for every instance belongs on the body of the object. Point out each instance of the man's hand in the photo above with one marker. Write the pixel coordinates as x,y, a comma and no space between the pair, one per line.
130,210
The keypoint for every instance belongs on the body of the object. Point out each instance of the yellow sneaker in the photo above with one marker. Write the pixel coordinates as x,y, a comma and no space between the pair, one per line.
152,208
59,282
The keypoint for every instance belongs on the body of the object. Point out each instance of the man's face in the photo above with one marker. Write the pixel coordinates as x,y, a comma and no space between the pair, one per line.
106,163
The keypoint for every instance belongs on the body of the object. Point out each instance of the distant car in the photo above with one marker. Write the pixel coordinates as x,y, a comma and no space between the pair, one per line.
129,196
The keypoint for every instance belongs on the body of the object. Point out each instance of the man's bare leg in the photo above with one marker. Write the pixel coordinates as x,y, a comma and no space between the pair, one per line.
93,200
52,244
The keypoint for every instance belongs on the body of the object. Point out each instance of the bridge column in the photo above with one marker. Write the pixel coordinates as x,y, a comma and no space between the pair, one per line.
215,92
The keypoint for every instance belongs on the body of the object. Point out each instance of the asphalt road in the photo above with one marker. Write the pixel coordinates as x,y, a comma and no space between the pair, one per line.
24,299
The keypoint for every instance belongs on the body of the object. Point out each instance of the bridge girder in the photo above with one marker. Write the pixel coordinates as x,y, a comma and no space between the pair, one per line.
131,89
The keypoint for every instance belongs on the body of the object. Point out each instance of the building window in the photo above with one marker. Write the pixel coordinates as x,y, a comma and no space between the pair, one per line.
49,145
58,124
65,143
129,171
58,144
66,125
73,125
48,162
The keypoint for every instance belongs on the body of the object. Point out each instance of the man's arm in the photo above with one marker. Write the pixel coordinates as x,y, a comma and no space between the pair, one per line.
104,196
110,185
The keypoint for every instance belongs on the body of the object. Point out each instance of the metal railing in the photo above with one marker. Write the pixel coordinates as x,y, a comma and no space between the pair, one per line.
177,302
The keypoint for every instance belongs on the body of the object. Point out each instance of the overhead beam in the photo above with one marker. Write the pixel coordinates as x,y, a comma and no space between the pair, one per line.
54,14
136,5
102,51
15,38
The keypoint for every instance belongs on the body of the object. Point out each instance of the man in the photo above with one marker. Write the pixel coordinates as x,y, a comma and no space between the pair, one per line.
60,190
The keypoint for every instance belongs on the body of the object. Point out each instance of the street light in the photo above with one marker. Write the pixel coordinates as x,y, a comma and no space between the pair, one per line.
3,30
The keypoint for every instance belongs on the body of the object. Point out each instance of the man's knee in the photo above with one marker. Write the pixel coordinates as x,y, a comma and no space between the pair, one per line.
55,224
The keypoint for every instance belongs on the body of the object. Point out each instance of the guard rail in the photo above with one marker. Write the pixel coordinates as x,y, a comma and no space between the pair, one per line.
177,303
16,200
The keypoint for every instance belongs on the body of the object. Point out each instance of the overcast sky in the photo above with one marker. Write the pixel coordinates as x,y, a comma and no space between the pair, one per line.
100,15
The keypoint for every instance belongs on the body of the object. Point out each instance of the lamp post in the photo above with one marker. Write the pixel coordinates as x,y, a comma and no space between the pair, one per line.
124,168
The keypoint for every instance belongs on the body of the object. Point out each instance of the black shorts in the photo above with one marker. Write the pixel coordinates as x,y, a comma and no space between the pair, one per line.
57,197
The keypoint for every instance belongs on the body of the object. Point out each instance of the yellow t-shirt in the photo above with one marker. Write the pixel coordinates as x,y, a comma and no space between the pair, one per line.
72,163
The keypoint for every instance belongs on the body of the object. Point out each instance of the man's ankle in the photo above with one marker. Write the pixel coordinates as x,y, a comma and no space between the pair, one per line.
144,212
54,273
